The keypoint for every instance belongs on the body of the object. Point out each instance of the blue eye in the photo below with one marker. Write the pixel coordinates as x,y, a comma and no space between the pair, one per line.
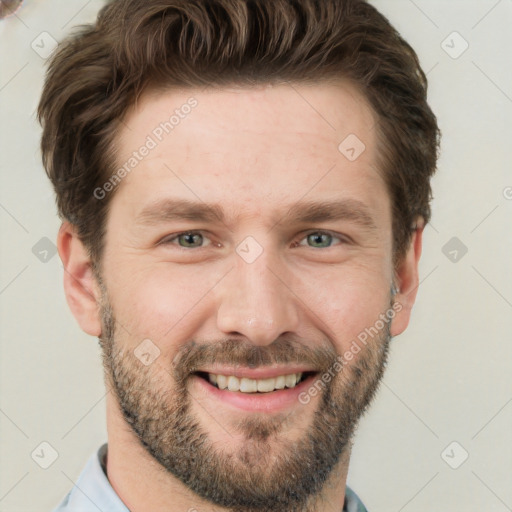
187,239
320,239
195,239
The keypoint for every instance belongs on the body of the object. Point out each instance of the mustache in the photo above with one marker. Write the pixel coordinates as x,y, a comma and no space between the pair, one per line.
193,355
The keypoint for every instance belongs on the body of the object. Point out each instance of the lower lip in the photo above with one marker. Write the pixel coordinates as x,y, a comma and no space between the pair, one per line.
274,401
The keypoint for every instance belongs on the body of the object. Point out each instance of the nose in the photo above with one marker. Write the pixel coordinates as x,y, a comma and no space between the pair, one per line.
256,301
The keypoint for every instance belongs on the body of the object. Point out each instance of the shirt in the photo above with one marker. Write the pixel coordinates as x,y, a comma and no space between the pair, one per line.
93,492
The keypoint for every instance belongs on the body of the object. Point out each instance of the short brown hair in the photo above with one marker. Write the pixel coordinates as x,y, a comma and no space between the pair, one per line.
96,75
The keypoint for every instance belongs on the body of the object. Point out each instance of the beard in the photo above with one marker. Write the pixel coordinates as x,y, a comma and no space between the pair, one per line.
267,471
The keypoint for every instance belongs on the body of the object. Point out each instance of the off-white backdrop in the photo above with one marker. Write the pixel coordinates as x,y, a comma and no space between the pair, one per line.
447,394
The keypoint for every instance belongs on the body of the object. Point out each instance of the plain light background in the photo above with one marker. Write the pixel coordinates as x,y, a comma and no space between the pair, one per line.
449,376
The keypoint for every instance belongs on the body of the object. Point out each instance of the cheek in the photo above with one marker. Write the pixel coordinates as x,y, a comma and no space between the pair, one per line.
161,300
348,305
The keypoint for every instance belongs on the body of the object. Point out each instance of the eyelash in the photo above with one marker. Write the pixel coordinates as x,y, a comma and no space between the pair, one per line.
169,240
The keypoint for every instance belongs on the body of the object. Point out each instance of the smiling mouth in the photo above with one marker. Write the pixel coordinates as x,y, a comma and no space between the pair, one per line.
254,386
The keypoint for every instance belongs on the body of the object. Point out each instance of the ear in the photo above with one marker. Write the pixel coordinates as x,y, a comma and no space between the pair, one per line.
407,281
80,285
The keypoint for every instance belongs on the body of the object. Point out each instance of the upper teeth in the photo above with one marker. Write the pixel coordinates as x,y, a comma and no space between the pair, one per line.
246,385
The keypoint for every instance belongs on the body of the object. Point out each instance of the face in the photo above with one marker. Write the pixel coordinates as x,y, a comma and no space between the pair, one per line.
245,255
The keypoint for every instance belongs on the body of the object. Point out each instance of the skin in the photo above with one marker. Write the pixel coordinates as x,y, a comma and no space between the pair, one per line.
255,152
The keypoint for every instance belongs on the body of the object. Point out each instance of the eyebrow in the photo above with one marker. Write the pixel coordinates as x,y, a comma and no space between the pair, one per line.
343,209
301,212
180,209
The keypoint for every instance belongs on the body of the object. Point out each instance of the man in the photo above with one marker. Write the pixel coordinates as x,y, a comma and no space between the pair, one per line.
243,188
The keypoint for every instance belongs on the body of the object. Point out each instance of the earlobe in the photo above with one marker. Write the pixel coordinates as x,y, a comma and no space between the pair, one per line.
80,284
407,281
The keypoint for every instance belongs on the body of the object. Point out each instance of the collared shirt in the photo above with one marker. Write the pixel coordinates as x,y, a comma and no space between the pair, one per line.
93,492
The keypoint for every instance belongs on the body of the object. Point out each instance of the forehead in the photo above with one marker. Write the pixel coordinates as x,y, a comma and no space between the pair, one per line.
245,147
